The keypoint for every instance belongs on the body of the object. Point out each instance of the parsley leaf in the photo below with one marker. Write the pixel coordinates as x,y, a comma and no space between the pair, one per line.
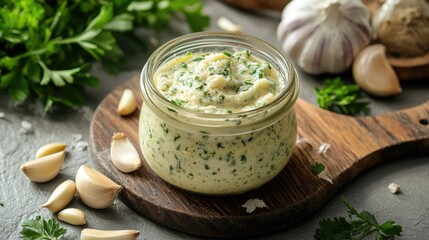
318,168
46,47
39,228
364,225
338,97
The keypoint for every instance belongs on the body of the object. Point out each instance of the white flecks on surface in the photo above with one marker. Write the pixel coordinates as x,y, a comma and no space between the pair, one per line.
26,127
324,148
153,41
2,114
81,146
226,24
77,137
302,140
252,204
324,176
394,188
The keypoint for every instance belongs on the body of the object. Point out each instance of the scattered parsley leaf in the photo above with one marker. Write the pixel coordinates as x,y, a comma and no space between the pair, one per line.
338,97
364,225
317,168
39,228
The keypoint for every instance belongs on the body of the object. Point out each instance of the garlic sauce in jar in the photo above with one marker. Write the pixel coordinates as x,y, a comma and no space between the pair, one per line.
217,115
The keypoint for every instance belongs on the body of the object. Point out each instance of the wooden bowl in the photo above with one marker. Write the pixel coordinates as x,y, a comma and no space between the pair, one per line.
411,68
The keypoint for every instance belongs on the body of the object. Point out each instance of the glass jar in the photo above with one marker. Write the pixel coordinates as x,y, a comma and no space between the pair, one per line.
217,154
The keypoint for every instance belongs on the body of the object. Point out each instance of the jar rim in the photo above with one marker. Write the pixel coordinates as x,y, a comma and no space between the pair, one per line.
175,47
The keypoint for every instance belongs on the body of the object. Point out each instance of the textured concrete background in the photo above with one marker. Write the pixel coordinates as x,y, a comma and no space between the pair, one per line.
22,198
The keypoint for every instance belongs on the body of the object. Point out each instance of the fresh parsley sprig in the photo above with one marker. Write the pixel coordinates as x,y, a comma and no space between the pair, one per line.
338,97
39,228
359,226
46,47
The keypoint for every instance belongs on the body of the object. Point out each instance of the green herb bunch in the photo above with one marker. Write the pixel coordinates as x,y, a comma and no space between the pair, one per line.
338,97
39,228
359,226
46,46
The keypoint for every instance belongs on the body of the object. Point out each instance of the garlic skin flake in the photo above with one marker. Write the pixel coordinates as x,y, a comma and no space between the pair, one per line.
61,196
123,153
95,189
45,168
254,203
72,216
324,36
50,148
94,234
127,103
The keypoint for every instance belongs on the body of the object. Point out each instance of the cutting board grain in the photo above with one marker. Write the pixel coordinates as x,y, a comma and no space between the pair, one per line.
357,144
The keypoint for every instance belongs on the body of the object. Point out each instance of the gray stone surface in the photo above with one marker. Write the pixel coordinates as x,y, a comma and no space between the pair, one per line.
22,198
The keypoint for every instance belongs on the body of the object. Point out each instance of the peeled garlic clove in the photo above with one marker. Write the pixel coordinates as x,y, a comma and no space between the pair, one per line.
72,216
45,168
127,104
95,189
226,24
374,74
50,148
61,196
94,234
123,154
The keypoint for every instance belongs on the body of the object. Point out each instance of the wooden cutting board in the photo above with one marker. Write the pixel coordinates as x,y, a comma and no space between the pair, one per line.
357,144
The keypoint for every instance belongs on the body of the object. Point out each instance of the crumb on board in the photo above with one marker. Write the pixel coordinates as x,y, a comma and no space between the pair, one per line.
324,148
302,140
325,177
254,203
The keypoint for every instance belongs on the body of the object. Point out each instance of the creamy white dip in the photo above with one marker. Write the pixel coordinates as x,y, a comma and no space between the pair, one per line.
207,163
220,82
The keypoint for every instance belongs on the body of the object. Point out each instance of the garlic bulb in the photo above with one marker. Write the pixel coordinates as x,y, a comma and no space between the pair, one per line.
324,35
403,27
95,189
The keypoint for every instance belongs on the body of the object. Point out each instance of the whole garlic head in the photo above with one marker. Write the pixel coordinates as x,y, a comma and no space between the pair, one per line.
403,27
324,35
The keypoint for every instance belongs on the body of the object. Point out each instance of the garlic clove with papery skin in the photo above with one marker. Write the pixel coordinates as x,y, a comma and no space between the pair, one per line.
72,216
94,234
373,73
123,153
95,189
61,196
45,168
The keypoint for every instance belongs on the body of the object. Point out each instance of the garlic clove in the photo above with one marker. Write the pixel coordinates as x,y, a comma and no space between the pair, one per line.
123,154
95,189
226,24
72,216
45,168
372,72
50,148
61,196
94,234
127,104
